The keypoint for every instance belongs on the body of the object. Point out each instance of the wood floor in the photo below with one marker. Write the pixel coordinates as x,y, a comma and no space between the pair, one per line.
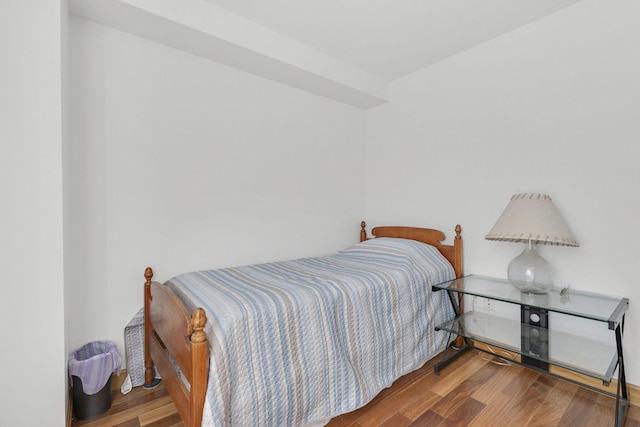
471,391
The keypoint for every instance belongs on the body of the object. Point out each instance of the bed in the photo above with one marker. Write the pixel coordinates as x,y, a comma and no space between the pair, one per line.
299,342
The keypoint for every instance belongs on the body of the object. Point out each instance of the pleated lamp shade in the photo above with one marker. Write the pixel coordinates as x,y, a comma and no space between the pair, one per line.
532,218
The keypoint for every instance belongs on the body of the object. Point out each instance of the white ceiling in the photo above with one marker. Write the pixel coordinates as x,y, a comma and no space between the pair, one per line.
345,50
392,38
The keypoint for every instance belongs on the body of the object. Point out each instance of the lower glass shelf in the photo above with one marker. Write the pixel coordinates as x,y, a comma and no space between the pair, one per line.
579,354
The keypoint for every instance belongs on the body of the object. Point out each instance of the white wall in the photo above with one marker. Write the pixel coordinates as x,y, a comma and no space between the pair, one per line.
552,107
180,163
564,86
33,352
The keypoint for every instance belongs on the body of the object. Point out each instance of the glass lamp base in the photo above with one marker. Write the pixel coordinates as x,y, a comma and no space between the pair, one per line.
530,273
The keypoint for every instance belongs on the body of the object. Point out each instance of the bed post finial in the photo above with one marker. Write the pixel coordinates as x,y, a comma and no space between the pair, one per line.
148,274
363,231
198,320
458,231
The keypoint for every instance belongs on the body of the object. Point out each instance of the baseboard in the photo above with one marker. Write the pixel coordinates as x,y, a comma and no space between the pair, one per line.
117,380
70,408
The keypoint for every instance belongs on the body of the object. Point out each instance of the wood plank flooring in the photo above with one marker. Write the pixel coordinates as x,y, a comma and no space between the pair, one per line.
472,391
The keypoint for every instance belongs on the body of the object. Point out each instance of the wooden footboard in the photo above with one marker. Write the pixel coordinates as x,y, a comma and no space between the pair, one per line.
169,329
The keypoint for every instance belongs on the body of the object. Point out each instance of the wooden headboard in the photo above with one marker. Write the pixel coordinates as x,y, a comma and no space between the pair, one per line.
453,253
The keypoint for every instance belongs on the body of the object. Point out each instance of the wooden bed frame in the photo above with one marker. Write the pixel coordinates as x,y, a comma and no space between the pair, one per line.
169,327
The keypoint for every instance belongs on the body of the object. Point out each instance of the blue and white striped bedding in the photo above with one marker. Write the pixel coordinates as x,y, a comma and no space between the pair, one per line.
299,342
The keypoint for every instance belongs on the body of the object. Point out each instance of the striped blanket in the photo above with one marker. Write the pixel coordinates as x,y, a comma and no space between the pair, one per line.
299,342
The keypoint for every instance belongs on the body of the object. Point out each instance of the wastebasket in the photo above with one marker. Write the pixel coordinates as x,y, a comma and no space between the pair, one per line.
90,369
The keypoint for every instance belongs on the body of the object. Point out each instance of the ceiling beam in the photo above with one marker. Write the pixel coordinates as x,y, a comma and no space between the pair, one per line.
203,29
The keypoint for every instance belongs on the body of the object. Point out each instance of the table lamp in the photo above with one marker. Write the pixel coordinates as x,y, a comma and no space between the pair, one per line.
531,219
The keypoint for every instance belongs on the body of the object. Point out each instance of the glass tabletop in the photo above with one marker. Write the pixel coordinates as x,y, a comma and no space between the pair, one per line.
576,303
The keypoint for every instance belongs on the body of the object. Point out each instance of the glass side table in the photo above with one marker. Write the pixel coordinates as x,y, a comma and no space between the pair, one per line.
539,346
